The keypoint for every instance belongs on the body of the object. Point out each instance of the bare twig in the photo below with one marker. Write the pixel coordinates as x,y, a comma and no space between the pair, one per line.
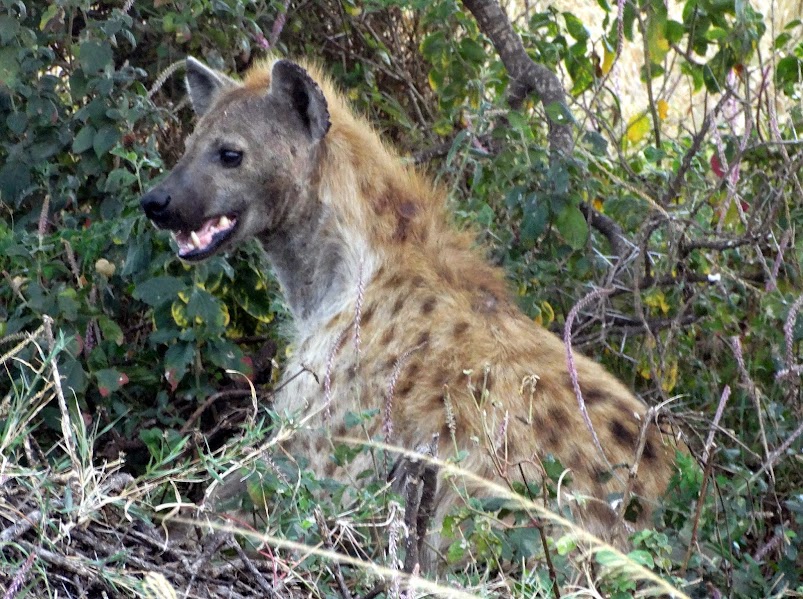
263,584
674,185
230,393
567,341
326,539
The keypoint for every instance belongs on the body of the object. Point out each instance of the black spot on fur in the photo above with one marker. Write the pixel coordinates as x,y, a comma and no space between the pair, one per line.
367,315
460,329
397,306
649,451
593,395
422,338
429,305
405,387
388,335
622,434
559,419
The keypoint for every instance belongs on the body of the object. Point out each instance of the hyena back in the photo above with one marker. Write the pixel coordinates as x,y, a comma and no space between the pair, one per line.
394,309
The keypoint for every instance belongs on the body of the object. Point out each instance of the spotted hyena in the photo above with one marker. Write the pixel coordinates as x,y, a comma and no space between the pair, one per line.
394,309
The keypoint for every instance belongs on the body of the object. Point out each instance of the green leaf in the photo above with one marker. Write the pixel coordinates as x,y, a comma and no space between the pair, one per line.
252,296
789,70
472,50
104,140
159,290
110,330
176,361
83,141
9,66
95,56
110,380
433,45
533,223
524,541
226,355
16,122
559,113
204,305
598,144
575,27
606,557
565,545
642,557
9,26
48,15
674,31
573,226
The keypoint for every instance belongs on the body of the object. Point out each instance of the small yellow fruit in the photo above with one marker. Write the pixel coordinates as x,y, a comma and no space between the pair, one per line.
105,267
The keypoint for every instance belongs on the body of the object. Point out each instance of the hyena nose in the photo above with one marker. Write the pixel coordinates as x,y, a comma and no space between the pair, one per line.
155,203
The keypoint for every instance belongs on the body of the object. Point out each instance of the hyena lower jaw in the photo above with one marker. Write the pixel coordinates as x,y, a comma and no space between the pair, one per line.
206,241
397,314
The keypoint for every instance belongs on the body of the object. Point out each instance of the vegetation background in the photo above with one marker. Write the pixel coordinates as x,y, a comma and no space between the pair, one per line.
130,381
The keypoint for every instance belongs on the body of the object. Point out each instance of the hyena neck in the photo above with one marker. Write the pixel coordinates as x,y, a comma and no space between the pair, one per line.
319,268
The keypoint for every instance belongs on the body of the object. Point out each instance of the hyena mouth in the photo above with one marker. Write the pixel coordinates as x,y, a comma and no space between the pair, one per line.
203,242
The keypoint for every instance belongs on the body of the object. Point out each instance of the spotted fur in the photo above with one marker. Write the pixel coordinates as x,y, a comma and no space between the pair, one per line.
361,242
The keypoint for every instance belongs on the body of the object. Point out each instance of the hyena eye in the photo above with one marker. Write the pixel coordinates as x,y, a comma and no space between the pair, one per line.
230,158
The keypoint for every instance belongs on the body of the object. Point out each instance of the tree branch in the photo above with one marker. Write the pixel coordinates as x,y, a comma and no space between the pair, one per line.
526,77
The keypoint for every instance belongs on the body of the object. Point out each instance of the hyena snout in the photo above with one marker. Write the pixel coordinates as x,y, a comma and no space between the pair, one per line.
196,235
155,205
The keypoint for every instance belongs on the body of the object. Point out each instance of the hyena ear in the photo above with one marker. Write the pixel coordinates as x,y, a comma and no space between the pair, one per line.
204,84
302,93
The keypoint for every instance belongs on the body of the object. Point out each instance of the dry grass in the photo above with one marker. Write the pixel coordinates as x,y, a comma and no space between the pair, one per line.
74,525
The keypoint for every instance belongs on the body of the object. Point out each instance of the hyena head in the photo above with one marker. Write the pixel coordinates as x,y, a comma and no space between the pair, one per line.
249,164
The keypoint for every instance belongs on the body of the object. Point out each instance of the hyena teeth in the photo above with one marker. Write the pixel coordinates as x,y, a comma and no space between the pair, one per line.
196,241
224,222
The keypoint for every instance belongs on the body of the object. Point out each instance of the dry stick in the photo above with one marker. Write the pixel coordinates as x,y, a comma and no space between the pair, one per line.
536,522
697,140
263,584
209,401
707,458
567,341
772,284
773,457
649,417
326,535
213,543
75,566
30,519
736,346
